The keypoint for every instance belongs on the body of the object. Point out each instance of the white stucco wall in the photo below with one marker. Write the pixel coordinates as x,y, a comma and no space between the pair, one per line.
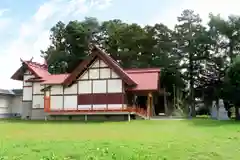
10,106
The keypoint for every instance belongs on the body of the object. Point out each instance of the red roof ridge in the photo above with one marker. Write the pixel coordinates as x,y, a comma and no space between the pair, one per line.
142,70
36,64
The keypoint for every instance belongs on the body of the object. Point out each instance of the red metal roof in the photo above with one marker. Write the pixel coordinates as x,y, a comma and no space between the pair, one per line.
39,70
138,79
55,79
146,79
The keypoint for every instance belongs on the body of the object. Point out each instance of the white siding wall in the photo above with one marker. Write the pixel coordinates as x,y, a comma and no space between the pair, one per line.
56,102
4,111
27,93
99,106
114,86
94,73
70,102
84,107
37,88
103,64
38,101
85,86
105,73
71,90
16,105
99,86
4,106
56,90
101,80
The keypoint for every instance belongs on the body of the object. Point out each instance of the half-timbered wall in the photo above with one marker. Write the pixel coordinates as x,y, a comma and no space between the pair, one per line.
27,86
38,96
63,98
100,88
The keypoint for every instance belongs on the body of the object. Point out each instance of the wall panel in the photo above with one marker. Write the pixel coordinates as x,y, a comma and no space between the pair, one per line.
84,107
37,88
115,106
38,101
27,93
71,90
114,85
57,90
85,86
103,64
99,106
56,102
94,73
105,73
70,102
99,86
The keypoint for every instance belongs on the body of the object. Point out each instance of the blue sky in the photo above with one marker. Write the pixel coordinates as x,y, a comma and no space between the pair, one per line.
25,24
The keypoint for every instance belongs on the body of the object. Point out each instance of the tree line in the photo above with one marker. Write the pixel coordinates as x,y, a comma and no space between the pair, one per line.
196,60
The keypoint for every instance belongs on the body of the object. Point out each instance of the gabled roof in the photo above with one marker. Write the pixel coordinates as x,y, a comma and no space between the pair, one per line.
6,92
137,79
39,70
97,52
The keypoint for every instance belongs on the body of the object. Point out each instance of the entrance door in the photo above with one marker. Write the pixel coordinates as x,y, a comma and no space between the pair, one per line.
159,106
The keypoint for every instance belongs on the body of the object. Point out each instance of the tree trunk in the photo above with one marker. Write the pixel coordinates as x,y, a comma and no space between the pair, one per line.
191,70
237,115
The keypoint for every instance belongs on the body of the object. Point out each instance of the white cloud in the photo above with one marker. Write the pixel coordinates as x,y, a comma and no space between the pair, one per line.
4,21
203,7
34,33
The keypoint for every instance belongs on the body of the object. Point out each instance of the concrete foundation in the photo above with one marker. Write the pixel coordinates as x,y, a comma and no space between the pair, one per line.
38,114
26,110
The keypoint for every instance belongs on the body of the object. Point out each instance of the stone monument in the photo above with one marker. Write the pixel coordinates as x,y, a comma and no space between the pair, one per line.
221,113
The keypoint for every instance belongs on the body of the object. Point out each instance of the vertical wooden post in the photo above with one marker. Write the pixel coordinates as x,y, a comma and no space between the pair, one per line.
165,102
149,105
129,117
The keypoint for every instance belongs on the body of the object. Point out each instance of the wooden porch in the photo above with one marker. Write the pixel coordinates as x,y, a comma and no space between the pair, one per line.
146,110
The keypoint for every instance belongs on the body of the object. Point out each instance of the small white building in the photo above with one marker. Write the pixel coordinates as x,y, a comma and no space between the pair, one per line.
10,103
97,86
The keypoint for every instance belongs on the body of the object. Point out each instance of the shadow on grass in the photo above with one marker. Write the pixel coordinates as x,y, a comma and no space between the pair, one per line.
212,123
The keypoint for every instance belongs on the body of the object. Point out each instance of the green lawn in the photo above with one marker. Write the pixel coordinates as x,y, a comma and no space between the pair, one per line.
135,140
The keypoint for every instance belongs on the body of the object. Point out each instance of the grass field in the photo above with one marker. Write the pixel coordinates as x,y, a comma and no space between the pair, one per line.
135,140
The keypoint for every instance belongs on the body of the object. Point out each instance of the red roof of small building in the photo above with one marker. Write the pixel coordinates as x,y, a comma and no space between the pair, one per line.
55,79
136,79
146,79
